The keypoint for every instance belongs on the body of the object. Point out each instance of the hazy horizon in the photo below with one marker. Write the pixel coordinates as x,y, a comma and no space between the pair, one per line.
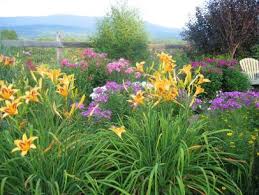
168,13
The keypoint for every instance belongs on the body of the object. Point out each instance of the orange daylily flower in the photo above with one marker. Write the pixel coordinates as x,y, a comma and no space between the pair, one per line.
25,144
63,90
7,92
199,90
11,108
32,95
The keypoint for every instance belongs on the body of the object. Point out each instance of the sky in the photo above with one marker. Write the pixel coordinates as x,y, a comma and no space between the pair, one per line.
170,13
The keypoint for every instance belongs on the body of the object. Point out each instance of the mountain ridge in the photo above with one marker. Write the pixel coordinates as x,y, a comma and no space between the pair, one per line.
37,26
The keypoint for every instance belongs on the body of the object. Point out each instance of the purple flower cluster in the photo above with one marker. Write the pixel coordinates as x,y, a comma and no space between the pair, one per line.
95,111
197,103
235,100
215,62
100,97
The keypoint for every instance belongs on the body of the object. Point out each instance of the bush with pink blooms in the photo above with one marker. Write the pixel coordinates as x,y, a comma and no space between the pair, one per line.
93,69
225,75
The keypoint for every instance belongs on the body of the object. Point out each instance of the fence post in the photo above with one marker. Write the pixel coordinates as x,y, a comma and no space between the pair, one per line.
59,50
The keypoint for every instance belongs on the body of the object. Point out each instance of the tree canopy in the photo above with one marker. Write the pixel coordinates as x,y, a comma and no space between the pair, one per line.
223,26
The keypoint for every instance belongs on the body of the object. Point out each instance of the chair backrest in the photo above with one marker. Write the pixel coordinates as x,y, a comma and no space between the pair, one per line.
251,67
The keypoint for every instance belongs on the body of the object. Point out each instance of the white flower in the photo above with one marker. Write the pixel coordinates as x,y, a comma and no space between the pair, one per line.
146,85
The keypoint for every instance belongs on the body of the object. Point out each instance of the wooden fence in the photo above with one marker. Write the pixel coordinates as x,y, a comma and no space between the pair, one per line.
59,45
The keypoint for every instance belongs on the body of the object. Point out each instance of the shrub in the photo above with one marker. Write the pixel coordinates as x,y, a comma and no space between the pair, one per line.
234,80
225,75
216,77
8,35
121,34
89,70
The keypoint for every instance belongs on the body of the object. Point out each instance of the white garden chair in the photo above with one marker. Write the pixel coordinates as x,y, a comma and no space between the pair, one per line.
251,67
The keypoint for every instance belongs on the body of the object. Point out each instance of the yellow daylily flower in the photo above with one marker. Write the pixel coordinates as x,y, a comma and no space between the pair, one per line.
63,90
32,95
66,79
118,130
42,70
169,67
140,67
25,144
186,69
165,58
229,134
199,90
202,80
11,108
137,99
170,95
7,92
54,74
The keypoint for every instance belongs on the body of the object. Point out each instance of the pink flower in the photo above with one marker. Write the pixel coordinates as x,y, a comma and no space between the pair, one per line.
88,52
137,75
83,65
30,65
64,62
120,65
129,70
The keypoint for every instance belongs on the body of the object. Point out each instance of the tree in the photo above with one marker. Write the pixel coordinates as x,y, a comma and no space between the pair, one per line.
8,35
122,34
223,26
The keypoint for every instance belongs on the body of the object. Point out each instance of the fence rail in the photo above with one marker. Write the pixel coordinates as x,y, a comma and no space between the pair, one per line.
43,44
59,45
63,44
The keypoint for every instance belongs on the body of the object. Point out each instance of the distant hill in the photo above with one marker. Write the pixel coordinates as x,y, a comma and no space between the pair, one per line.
35,27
